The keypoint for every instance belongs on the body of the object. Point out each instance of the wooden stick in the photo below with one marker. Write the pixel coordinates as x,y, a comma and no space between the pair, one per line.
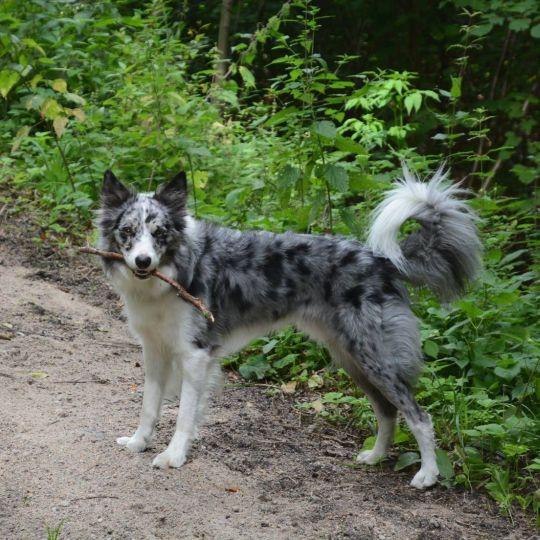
181,292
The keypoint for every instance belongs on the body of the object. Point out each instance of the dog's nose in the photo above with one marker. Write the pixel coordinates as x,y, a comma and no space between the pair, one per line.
142,261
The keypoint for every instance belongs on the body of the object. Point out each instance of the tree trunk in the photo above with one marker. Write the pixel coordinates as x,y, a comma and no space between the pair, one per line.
223,39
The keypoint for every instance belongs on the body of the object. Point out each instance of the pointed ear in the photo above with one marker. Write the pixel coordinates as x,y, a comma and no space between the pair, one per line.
174,193
113,192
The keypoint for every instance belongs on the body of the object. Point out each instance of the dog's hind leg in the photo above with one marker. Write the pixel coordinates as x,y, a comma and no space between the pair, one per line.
156,372
195,370
384,345
385,411
386,415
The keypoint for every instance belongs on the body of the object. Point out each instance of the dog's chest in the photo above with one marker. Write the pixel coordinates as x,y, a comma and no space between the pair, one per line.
155,314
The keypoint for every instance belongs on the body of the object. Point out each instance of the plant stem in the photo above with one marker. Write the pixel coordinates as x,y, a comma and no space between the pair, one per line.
66,164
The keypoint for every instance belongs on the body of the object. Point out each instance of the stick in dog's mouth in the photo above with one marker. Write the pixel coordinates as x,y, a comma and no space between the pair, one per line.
143,274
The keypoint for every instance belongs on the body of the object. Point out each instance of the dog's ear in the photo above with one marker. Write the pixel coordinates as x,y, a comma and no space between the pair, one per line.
113,192
173,194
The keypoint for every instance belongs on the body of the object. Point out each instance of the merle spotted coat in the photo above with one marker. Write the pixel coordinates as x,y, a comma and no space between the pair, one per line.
346,295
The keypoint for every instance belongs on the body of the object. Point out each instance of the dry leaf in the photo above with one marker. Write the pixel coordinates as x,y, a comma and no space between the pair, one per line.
38,375
317,405
232,489
78,114
288,388
59,125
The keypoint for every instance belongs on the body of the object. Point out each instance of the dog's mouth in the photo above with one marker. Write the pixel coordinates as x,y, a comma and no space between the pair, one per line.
142,274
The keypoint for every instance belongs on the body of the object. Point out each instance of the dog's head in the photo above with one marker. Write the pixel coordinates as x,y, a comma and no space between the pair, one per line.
143,227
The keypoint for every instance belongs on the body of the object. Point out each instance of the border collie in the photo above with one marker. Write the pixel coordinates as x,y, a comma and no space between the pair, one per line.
348,296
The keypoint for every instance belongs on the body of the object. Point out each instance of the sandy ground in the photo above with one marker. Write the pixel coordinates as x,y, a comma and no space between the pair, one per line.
70,383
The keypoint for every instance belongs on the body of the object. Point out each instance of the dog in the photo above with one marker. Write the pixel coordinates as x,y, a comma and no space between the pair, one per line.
348,296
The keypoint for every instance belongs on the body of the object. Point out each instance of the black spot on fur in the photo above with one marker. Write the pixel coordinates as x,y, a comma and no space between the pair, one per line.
348,258
273,268
327,290
199,343
291,288
119,219
389,287
272,294
375,297
353,295
150,217
197,287
239,300
208,242
302,267
303,248
454,265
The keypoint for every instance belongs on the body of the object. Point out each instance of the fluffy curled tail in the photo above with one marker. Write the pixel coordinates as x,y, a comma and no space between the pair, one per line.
444,253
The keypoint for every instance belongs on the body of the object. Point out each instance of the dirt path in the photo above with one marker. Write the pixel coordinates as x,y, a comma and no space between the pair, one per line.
70,383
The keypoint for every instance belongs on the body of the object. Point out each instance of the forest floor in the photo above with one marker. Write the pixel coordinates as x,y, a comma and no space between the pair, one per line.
70,383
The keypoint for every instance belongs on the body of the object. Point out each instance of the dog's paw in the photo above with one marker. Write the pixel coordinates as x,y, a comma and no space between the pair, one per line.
135,444
369,457
169,459
425,478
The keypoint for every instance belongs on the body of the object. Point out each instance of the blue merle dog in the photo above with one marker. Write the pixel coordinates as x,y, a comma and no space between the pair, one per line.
348,296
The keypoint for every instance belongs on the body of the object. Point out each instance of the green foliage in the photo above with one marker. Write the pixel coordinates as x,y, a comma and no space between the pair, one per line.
296,139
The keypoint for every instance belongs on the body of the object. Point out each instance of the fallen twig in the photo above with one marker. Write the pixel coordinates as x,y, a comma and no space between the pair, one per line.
181,292
94,497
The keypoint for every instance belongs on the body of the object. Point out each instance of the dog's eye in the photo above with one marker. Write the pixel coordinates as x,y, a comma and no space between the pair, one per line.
128,231
160,232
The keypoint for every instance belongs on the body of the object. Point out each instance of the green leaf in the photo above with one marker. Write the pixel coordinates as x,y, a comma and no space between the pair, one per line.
481,29
269,346
518,25
255,368
8,79
455,90
446,468
535,31
59,85
288,176
337,177
286,361
406,460
431,348
325,128
369,442
247,77
51,109
348,217
281,116
75,98
413,101
495,430
348,145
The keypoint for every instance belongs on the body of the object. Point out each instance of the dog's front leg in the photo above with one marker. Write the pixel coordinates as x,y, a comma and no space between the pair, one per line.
156,370
194,386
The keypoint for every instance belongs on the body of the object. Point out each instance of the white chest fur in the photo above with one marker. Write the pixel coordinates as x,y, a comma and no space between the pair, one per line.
156,316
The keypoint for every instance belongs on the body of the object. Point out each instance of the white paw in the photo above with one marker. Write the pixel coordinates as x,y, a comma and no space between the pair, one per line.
135,444
425,477
169,459
369,457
